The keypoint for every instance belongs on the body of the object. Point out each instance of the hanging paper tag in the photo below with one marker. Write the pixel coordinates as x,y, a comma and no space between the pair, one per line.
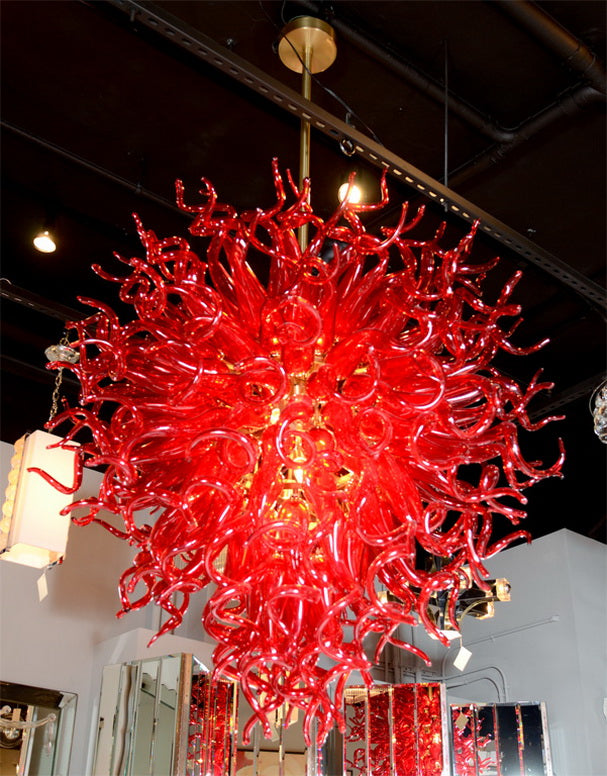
42,586
463,656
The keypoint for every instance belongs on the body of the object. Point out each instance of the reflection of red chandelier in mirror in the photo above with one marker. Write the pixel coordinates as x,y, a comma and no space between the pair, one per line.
396,730
308,426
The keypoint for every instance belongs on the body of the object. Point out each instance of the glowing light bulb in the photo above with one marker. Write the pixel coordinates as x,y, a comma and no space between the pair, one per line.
352,192
44,243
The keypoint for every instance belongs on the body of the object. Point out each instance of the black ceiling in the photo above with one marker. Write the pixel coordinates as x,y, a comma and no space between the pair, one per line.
101,113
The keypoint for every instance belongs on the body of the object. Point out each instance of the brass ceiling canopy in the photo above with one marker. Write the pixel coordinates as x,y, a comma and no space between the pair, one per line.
307,36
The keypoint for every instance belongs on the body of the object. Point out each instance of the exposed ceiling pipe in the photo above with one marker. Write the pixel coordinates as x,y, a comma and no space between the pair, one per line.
33,372
545,28
568,105
557,38
576,54
580,390
408,73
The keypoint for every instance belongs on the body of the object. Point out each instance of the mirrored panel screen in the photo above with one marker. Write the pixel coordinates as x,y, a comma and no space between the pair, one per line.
165,716
394,729
504,739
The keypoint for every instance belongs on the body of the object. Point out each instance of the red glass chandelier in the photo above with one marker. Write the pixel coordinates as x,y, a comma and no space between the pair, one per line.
313,428
305,427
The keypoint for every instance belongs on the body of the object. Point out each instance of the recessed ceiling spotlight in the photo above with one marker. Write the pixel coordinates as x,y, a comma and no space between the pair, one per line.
44,242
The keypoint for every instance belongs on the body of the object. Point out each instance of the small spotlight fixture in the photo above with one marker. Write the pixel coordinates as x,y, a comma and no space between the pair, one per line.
44,242
501,589
472,602
480,604
351,192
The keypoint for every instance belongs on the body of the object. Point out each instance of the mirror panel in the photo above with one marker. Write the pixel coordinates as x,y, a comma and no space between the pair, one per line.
508,726
117,705
403,708
145,732
535,751
213,727
380,733
398,729
40,744
486,741
137,727
165,716
354,741
503,739
432,732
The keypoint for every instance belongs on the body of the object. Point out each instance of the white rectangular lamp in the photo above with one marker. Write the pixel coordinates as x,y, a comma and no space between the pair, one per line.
32,530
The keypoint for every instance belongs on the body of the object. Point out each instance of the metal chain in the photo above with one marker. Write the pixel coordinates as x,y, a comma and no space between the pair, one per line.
56,393
58,380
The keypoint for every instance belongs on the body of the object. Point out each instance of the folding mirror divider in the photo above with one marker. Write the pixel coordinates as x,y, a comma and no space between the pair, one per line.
165,715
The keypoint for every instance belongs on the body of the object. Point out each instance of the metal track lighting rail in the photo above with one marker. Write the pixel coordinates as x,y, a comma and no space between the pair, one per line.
208,50
38,303
91,166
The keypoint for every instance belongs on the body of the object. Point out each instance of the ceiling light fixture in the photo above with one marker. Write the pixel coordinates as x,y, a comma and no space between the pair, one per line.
44,242
33,527
350,191
473,600
305,437
33,524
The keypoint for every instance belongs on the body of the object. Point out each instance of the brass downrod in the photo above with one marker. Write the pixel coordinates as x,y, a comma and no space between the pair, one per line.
307,45
304,139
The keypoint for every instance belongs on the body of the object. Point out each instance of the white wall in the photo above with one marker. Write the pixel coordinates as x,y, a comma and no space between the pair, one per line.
547,644
63,641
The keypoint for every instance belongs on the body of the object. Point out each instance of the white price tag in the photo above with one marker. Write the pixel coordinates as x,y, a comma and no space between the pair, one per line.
463,656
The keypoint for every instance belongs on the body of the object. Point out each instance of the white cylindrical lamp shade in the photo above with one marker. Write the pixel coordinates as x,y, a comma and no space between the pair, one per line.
34,532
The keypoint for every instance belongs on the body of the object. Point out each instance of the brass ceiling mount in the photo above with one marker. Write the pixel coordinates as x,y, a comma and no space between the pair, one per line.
306,37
